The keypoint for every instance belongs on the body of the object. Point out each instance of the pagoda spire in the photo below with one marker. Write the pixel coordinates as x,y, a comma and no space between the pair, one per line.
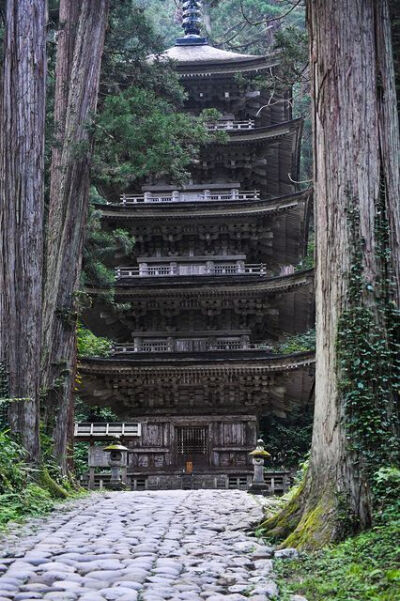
192,22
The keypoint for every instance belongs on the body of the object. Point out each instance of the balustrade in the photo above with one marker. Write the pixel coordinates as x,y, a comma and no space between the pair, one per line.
189,345
228,125
192,269
104,430
177,196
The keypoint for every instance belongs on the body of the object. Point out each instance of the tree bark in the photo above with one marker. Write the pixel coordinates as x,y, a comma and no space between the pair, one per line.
394,11
389,140
23,95
356,173
68,22
79,55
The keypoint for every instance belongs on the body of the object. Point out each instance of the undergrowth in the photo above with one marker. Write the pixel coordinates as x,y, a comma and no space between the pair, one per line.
25,490
363,568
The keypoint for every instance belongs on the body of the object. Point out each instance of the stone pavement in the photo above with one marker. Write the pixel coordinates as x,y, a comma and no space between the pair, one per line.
141,546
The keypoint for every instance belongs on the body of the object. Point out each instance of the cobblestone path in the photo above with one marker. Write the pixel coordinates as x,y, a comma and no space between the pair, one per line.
141,546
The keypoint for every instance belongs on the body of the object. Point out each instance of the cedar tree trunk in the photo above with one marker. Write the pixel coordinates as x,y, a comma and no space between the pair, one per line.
356,175
80,48
23,96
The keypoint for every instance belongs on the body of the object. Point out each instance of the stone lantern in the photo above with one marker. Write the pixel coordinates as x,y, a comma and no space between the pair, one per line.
116,461
258,486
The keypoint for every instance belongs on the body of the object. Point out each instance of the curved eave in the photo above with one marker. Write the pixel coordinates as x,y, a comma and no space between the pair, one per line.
236,361
203,70
210,285
268,132
204,209
209,67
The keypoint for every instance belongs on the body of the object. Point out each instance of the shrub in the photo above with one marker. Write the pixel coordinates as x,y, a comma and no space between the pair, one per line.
90,345
13,470
386,491
296,344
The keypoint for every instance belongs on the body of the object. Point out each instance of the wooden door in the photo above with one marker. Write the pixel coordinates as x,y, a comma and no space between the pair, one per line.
192,447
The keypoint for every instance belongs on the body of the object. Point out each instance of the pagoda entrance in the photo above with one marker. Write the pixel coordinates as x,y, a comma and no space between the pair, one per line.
192,444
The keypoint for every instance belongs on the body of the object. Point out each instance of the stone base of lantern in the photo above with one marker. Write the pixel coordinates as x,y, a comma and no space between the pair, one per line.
258,488
115,485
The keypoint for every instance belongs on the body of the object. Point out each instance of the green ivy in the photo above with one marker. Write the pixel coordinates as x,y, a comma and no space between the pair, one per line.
367,346
3,395
386,491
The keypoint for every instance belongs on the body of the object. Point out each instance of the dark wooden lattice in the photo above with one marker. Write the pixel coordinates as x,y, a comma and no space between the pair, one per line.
192,440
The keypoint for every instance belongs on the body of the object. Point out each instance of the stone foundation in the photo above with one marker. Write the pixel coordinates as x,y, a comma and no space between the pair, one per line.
177,481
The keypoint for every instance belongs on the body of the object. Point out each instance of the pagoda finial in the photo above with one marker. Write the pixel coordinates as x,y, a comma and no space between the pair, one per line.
191,23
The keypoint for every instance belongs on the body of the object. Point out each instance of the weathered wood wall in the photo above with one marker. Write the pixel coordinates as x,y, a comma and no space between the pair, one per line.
228,442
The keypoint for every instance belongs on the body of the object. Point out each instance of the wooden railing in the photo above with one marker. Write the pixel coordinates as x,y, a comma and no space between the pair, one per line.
228,125
182,269
278,482
177,196
187,345
102,430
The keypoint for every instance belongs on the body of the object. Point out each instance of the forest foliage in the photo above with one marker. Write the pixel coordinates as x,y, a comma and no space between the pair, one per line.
140,134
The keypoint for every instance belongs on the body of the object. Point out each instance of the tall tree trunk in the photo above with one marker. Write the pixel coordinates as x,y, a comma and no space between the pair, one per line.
389,140
394,9
356,174
79,55
21,211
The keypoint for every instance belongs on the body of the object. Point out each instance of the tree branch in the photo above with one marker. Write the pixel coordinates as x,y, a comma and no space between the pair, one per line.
267,19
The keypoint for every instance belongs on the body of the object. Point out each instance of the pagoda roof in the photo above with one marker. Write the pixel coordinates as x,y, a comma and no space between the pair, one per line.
193,49
204,53
253,360
261,383
199,60
206,285
204,209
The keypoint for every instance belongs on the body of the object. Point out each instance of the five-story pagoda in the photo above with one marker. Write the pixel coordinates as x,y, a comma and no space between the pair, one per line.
211,285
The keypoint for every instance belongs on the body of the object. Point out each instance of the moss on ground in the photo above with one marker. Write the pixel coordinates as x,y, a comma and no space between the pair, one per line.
48,483
363,568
